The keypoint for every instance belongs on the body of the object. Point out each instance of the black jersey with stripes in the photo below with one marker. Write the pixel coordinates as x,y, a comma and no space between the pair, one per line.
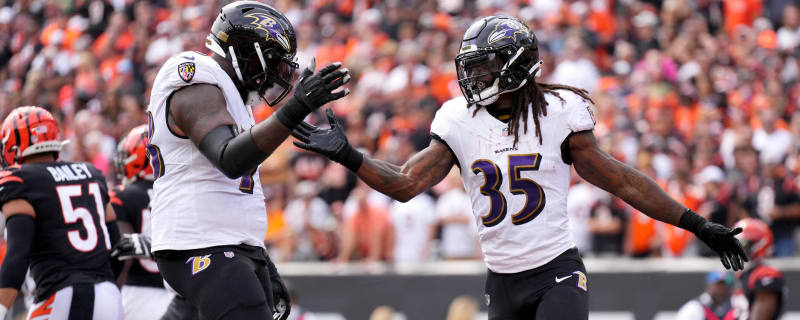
132,204
71,243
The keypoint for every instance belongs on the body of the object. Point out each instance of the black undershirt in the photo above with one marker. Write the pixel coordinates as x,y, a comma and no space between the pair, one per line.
500,114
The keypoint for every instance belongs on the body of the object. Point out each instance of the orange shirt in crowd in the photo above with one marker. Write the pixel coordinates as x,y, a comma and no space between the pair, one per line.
738,12
367,224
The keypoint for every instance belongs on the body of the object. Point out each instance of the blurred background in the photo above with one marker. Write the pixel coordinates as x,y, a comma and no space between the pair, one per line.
701,95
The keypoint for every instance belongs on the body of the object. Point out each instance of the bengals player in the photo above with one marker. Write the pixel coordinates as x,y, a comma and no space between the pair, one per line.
58,224
143,294
762,285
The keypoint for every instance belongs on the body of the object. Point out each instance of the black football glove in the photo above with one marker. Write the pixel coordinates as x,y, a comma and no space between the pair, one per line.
331,143
280,295
312,91
719,238
132,246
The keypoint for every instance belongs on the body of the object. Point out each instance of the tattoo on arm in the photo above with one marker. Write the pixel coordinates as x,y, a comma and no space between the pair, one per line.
425,169
640,191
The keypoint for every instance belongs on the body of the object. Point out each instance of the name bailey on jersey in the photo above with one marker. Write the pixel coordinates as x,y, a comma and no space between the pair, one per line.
70,172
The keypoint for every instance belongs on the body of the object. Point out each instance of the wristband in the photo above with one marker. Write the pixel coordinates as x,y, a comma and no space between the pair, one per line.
691,221
351,159
292,113
3,311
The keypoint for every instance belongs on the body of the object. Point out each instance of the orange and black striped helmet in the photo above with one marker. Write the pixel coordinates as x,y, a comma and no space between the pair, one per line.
27,131
756,238
131,160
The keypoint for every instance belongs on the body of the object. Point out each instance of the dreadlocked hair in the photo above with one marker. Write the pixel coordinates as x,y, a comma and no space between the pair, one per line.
533,94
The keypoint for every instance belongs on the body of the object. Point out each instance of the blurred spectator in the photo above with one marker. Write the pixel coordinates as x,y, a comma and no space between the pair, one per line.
311,224
367,234
785,212
714,302
459,234
772,142
382,313
413,222
462,308
607,227
713,195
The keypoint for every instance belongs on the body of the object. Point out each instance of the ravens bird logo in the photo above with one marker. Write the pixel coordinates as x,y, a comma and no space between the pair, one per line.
507,30
275,31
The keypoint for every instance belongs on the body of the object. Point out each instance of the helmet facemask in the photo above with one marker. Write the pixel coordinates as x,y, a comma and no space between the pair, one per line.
484,74
266,72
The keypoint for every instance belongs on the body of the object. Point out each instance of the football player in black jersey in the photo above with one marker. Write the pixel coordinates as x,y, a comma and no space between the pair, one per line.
143,295
763,286
58,223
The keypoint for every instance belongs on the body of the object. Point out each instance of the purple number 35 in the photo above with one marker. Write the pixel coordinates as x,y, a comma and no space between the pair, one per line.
493,179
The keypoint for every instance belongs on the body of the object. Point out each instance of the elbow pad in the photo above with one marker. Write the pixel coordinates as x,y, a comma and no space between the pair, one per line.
21,229
234,155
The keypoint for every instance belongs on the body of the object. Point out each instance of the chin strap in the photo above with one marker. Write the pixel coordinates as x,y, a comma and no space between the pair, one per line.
491,93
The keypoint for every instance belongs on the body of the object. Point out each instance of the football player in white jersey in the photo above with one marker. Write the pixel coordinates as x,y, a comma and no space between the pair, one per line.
517,176
208,217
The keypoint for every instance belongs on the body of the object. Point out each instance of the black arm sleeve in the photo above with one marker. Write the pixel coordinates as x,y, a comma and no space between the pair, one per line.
234,155
21,230
113,234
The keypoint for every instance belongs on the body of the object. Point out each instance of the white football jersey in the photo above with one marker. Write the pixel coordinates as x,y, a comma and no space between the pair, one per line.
518,193
194,205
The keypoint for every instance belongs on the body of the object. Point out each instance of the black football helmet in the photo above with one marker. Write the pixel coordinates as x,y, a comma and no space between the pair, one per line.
498,54
260,44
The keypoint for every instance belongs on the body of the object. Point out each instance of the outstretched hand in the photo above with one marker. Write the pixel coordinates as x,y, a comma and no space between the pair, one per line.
314,90
331,143
723,241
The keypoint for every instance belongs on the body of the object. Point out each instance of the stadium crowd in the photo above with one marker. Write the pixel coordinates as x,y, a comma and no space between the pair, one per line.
703,96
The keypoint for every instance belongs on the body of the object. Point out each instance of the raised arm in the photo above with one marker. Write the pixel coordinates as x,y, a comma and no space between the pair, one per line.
600,169
425,169
199,112
641,192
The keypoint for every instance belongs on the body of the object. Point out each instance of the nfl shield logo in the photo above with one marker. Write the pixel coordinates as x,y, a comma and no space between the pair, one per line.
229,254
488,300
186,71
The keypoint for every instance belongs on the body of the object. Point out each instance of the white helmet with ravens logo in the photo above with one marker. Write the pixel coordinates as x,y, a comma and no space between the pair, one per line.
498,54
260,45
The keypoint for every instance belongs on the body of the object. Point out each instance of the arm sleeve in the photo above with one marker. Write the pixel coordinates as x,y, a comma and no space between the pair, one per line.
114,235
118,203
234,155
21,229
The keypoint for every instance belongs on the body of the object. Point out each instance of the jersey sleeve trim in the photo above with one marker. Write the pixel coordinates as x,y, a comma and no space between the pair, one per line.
12,185
566,156
440,139
761,273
